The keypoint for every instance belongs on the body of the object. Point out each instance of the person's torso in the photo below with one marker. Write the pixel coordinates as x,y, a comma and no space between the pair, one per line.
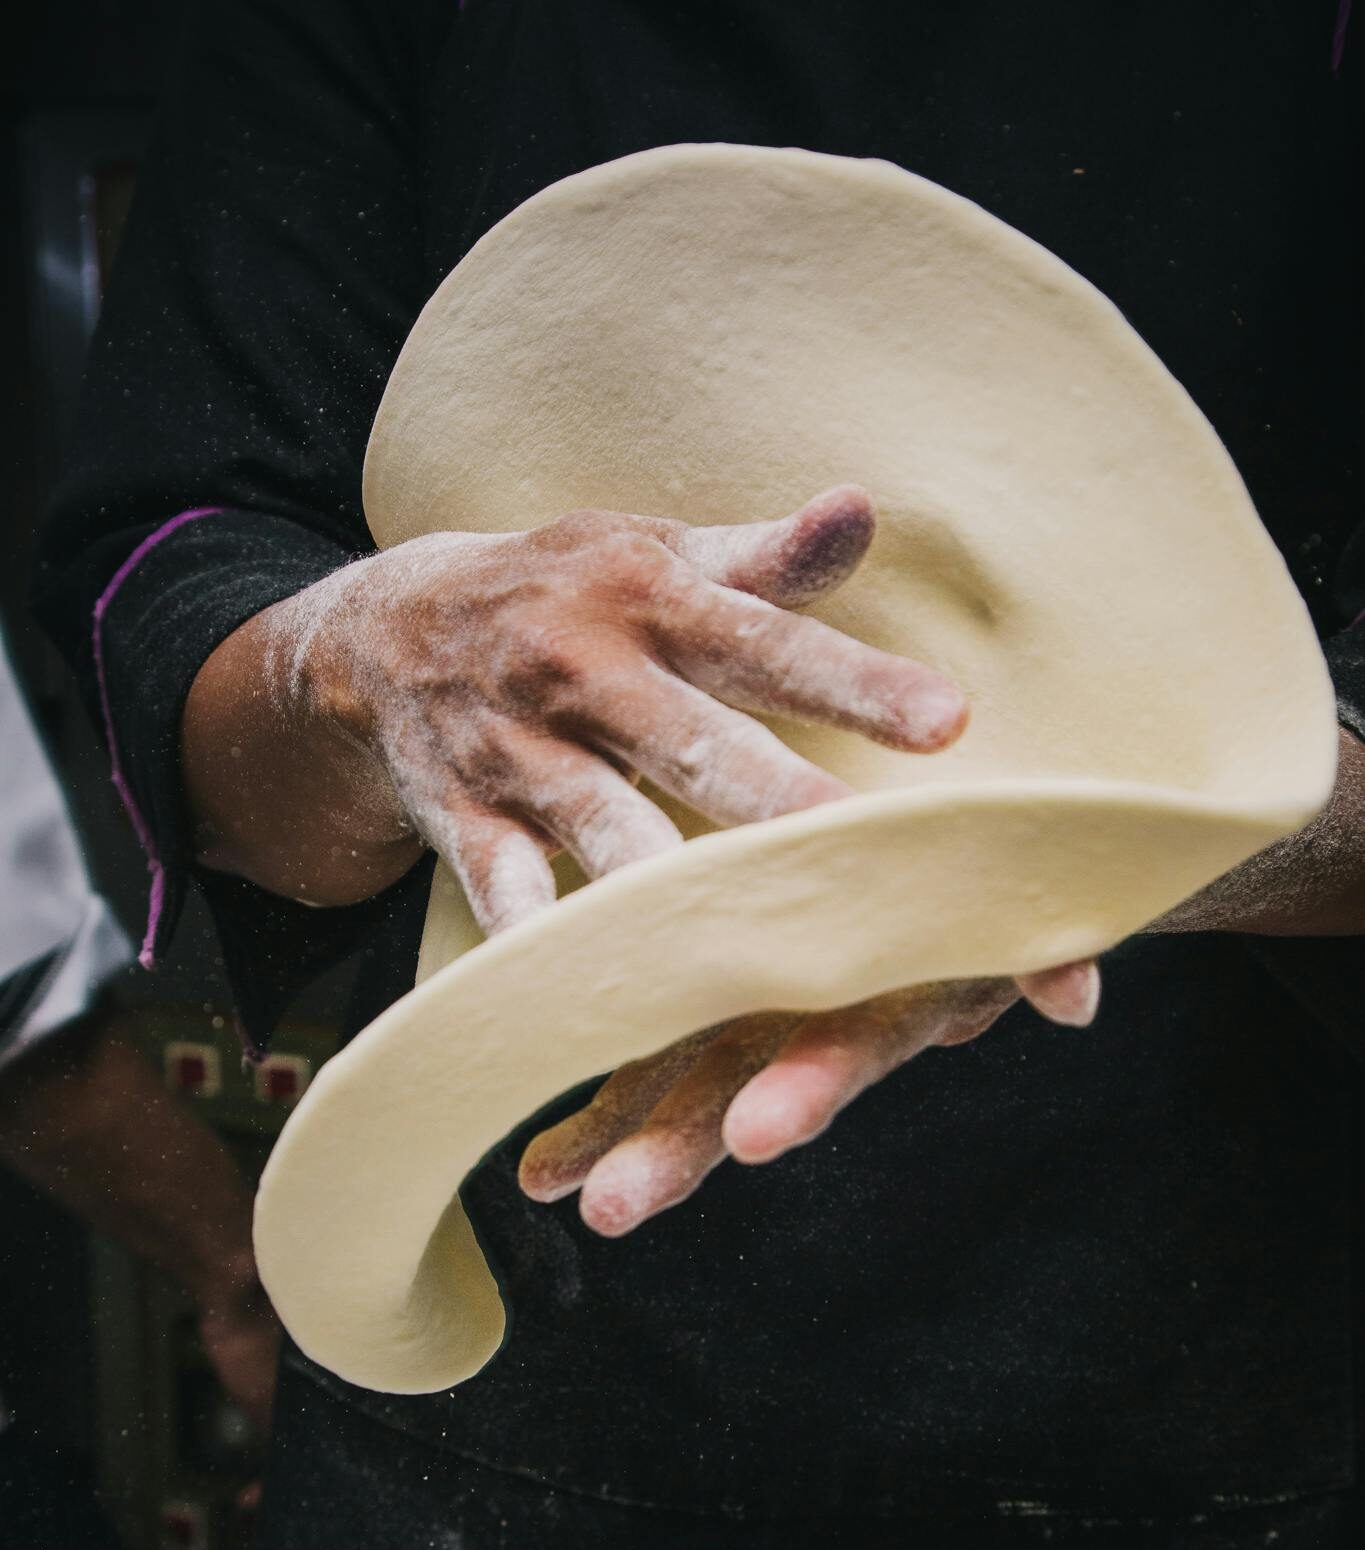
1075,1270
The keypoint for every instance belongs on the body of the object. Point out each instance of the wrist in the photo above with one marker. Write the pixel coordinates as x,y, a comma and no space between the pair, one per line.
277,711
312,672
1311,883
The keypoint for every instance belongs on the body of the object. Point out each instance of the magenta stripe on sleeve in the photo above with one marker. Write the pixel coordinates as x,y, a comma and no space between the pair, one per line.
1343,21
157,897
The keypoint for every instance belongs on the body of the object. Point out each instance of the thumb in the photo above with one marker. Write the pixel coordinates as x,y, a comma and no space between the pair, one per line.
793,561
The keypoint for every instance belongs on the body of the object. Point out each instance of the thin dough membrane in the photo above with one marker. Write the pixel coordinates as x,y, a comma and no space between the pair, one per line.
716,332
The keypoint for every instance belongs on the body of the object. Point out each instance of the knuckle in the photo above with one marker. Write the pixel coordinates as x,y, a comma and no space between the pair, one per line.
623,555
633,562
690,759
643,573
748,644
582,528
585,811
636,589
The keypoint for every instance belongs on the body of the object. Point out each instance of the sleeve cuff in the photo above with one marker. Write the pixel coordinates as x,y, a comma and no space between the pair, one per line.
183,589
1326,975
1345,655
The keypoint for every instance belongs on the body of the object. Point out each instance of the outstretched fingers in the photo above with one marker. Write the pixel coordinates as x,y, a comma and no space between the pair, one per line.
556,1162
755,656
723,624
722,764
576,796
503,867
494,808
680,1142
760,1086
834,1056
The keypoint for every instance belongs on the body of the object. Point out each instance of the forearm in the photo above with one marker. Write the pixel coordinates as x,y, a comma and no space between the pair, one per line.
1311,884
88,1122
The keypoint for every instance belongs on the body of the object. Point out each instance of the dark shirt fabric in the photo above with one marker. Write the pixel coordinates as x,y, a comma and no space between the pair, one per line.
415,1496
1109,1273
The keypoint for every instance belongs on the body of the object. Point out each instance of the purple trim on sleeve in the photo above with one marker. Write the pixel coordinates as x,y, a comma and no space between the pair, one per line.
253,1054
1339,35
157,897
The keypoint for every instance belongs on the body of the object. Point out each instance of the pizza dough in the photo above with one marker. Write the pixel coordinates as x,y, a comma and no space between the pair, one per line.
716,333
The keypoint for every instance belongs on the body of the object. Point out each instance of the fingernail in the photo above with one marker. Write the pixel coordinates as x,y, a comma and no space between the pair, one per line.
544,1179
759,1113
1090,1004
544,1193
938,717
620,1191
1087,1003
609,1216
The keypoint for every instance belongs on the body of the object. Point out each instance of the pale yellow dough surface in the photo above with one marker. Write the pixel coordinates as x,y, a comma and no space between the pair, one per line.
716,333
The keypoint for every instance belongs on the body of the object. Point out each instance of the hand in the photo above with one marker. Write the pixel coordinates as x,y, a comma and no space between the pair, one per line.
241,1338
755,1088
492,695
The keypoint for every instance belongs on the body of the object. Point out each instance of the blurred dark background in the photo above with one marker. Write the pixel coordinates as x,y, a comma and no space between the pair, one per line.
98,1356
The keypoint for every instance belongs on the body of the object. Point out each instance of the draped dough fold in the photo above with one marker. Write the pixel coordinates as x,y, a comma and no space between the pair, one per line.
714,332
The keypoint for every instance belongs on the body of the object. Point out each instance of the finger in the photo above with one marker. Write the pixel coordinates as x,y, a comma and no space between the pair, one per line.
833,1057
1069,994
721,763
680,1142
795,560
556,1162
501,865
584,802
791,562
755,656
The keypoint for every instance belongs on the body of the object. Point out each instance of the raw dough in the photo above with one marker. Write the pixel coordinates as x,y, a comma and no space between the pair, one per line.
717,332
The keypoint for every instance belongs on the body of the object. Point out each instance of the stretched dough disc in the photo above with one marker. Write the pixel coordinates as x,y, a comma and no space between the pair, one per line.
718,332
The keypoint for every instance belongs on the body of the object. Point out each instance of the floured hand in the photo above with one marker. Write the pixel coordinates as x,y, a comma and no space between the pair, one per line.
493,695
757,1087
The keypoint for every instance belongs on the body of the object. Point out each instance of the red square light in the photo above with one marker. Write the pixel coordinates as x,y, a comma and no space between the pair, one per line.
282,1083
191,1072
193,1068
281,1079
